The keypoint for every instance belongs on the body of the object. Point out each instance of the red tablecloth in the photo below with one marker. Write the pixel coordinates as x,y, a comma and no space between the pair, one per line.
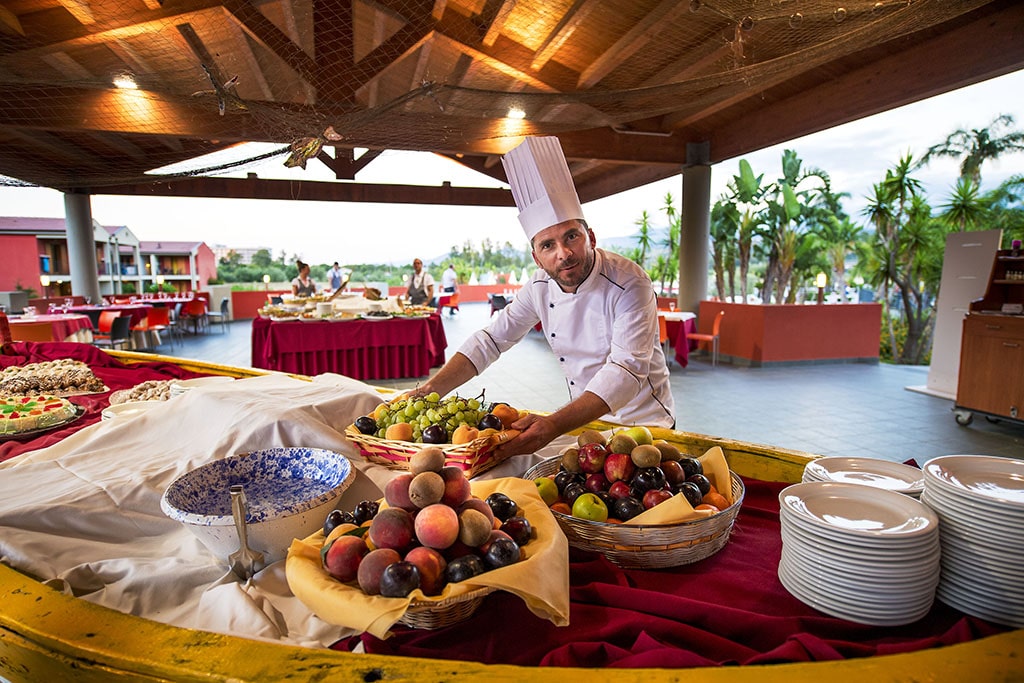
361,349
136,311
63,325
115,375
726,610
677,331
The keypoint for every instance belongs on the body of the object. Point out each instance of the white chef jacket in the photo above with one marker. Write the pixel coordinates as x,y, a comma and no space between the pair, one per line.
605,337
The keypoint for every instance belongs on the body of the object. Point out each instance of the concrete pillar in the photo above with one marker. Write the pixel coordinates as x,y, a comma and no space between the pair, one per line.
81,246
695,234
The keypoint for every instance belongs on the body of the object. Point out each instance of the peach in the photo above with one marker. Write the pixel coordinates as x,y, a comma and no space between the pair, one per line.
396,492
431,565
344,556
437,526
456,486
372,566
392,528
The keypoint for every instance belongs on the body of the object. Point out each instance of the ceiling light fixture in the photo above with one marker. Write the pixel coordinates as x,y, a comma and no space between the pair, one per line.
516,113
125,82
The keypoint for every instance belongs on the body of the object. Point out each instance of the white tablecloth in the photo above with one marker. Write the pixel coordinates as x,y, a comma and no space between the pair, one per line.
84,515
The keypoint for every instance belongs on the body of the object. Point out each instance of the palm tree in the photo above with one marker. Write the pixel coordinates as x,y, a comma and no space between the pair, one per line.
724,221
671,243
643,239
965,207
977,146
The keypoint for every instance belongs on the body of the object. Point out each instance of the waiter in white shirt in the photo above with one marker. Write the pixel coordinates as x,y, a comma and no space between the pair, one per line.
598,312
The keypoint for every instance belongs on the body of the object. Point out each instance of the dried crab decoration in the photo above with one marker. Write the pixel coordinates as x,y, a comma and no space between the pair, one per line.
304,149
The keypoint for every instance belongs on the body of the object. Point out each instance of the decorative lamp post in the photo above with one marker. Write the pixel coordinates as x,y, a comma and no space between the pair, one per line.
160,285
266,285
820,281
44,280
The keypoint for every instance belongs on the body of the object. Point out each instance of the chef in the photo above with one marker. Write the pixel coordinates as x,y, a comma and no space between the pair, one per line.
597,310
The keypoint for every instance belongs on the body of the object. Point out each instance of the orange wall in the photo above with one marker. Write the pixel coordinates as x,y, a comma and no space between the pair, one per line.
786,333
19,263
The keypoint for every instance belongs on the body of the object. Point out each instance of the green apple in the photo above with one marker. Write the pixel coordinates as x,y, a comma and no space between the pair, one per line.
642,435
547,489
589,506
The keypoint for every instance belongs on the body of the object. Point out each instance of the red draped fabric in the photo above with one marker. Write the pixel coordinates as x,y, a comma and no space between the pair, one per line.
361,349
115,374
727,610
677,331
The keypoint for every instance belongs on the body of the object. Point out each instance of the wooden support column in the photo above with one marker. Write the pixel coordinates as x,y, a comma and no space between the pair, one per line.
695,230
81,245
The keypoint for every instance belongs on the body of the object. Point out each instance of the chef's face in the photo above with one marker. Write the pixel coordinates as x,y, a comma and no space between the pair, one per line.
566,253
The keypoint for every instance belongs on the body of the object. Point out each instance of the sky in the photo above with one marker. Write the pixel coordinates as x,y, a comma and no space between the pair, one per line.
856,155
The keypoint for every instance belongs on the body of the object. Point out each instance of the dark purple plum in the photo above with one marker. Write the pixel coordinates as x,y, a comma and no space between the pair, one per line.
502,506
399,579
519,528
702,482
462,568
627,508
365,510
501,553
336,517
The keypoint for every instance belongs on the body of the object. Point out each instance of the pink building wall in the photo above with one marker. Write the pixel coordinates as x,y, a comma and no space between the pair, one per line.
19,263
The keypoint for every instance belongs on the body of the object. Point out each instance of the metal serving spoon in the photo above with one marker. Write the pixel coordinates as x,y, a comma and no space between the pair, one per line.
245,561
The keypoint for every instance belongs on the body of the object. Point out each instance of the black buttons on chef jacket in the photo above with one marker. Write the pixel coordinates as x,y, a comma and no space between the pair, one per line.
552,334
561,360
550,305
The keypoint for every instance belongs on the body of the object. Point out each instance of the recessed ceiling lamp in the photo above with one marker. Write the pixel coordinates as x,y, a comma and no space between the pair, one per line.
516,113
125,81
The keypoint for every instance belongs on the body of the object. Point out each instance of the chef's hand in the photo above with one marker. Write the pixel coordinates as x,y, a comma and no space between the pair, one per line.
535,432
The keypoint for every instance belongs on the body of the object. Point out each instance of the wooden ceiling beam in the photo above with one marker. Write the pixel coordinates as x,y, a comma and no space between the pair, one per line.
493,18
255,69
291,190
80,10
905,76
344,163
655,21
566,26
273,39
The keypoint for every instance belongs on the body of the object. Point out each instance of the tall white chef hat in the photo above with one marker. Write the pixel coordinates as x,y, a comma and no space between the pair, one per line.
541,184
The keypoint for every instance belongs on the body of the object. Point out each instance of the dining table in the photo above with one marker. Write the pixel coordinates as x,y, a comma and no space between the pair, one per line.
360,347
136,311
679,324
69,327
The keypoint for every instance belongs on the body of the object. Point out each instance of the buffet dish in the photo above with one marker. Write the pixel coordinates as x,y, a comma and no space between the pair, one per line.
50,635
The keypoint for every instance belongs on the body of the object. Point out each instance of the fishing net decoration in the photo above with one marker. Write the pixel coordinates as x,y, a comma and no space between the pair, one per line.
310,75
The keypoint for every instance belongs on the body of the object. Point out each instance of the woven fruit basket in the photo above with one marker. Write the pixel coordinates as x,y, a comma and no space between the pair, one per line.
427,615
646,546
474,457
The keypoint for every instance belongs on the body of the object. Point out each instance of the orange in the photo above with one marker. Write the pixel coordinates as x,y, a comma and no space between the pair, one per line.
706,506
716,499
506,413
562,507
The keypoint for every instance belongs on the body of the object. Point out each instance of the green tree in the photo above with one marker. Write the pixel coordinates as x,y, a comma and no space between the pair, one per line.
643,238
965,209
675,226
262,258
976,146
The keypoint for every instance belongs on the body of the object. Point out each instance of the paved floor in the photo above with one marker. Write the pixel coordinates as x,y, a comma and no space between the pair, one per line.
833,409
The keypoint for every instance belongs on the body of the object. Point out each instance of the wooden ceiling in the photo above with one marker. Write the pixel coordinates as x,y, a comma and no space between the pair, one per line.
630,86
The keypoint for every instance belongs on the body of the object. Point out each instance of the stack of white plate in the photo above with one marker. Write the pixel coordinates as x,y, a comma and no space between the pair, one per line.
129,409
859,553
980,503
881,474
180,386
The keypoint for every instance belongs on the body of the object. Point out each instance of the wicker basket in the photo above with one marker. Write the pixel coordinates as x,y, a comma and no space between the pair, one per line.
427,614
473,458
637,546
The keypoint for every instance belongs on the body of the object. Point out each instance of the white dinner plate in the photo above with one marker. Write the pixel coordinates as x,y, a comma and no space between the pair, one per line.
842,548
881,567
991,477
858,510
367,316
128,409
858,585
978,605
882,474
874,594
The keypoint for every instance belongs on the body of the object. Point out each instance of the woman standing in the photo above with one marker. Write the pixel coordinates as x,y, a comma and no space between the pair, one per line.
303,285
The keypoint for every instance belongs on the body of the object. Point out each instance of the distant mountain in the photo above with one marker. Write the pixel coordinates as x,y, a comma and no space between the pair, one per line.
627,242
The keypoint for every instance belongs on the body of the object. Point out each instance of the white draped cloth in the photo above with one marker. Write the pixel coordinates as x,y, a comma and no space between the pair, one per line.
84,514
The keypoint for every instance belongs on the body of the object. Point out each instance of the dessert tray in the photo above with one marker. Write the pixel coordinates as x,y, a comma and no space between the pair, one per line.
32,433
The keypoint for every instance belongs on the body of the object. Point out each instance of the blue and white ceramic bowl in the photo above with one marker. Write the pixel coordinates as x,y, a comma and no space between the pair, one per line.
289,493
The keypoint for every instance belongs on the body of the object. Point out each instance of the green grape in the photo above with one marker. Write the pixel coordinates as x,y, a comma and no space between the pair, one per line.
460,417
460,405
433,397
419,406
424,421
473,404
381,433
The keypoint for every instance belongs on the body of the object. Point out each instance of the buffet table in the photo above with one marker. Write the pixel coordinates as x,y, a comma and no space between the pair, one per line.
726,612
361,349
66,327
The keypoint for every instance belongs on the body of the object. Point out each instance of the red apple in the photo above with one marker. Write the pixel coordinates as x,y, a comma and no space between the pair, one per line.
655,496
596,482
592,457
619,467
674,472
619,490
